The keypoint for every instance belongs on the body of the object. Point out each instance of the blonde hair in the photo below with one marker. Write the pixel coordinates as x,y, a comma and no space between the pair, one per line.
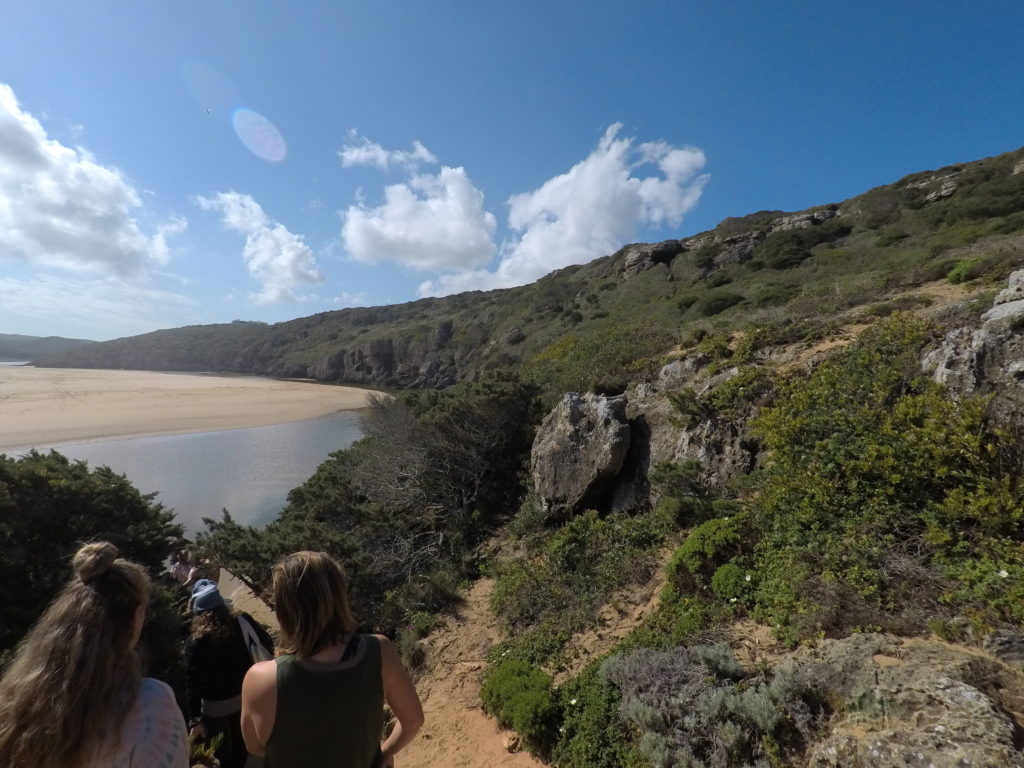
311,602
75,676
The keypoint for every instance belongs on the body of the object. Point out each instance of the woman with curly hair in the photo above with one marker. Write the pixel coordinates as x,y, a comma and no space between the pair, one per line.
322,702
217,656
74,695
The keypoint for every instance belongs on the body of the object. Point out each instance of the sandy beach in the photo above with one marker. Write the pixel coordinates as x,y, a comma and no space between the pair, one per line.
44,406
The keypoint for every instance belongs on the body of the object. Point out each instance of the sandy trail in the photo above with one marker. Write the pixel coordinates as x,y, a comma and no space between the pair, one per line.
457,733
44,406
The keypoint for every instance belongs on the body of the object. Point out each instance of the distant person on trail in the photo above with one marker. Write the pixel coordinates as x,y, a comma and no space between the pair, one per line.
322,703
180,567
217,656
74,696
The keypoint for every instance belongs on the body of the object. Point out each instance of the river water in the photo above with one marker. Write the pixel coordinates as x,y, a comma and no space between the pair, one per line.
247,471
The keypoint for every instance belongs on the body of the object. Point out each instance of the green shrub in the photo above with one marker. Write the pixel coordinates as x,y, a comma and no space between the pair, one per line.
707,547
774,294
729,582
785,249
519,696
577,361
964,270
884,498
592,734
715,302
760,336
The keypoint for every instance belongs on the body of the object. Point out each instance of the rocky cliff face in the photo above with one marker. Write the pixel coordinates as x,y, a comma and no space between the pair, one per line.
595,452
988,358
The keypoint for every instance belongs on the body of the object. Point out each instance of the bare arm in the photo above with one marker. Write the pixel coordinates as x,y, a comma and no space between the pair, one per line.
259,705
401,696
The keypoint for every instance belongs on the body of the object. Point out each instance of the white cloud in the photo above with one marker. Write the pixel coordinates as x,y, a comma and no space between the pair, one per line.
366,152
59,207
96,308
346,299
587,212
431,222
279,259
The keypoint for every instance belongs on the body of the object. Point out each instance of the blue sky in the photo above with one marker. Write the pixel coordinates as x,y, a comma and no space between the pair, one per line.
173,163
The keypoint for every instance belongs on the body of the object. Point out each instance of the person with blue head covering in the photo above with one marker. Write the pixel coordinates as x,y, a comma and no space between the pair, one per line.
218,653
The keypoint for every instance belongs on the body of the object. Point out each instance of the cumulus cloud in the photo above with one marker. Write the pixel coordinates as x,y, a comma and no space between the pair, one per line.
346,299
59,207
94,308
279,259
366,152
431,222
589,211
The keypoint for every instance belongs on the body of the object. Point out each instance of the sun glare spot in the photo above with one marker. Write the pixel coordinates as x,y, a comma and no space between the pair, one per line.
259,135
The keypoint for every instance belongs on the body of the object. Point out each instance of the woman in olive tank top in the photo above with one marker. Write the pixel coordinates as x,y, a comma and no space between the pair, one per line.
322,701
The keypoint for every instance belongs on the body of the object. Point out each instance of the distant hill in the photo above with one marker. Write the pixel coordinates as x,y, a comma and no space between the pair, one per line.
963,222
14,347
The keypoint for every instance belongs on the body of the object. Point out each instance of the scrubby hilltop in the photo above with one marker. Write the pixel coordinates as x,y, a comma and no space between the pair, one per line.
752,498
770,265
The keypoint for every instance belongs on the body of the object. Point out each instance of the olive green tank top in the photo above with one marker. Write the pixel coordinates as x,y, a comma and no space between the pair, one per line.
328,715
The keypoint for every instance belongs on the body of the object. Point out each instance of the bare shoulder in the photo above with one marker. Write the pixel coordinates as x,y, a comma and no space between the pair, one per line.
261,676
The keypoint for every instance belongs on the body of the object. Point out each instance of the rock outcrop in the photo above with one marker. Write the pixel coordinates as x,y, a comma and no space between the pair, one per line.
643,256
723,446
579,450
988,358
914,703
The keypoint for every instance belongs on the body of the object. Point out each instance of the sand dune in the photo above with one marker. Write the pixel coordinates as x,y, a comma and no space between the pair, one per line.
44,406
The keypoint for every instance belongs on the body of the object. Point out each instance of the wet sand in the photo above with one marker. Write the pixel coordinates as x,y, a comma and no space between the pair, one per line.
44,406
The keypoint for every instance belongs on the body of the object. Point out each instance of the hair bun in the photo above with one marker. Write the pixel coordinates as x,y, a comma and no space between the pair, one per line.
93,560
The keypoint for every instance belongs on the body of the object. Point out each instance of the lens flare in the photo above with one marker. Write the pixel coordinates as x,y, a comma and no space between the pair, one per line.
259,135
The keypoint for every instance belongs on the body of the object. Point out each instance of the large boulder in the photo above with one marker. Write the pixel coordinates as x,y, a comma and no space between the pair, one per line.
725,448
914,703
988,358
578,451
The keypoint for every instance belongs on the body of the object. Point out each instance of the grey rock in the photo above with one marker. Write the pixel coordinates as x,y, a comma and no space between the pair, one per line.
643,256
912,703
1007,645
803,220
1014,290
725,448
515,336
988,358
579,449
738,249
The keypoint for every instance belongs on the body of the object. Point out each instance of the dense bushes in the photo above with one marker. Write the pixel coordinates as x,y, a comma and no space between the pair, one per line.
580,362
697,708
557,587
787,248
406,507
49,505
519,696
883,499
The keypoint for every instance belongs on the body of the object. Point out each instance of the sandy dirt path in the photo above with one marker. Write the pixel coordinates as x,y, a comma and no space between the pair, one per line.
43,406
457,733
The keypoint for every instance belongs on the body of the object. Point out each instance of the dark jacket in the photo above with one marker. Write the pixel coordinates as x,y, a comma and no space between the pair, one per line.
215,666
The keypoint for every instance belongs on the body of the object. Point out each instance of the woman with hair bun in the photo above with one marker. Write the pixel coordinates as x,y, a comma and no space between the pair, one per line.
74,695
322,702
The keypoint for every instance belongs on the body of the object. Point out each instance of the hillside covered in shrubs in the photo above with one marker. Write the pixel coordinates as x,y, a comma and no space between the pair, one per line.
808,423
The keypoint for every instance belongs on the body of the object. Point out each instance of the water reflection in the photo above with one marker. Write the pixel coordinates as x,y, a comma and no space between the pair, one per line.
247,471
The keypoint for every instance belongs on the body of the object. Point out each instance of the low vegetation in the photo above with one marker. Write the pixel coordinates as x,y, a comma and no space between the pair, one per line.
878,502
